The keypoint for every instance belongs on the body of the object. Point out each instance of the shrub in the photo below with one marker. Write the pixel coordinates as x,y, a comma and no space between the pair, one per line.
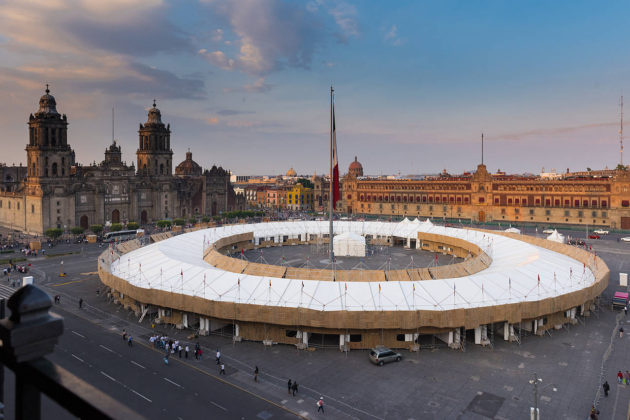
205,219
53,233
164,223
115,227
96,229
179,221
132,225
77,230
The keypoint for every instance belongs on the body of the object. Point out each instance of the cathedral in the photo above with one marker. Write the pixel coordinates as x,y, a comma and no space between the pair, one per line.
54,191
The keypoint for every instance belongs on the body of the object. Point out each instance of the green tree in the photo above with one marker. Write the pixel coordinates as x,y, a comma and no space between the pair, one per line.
164,223
305,182
77,230
205,219
179,221
115,227
53,233
192,220
621,167
588,169
96,229
132,225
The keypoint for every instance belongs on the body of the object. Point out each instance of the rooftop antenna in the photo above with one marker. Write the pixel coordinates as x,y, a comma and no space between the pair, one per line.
621,133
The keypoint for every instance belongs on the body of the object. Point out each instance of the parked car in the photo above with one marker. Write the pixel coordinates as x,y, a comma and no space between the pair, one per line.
625,239
594,236
601,232
548,231
575,241
381,355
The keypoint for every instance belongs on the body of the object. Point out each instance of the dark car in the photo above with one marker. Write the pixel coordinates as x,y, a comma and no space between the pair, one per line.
594,236
575,241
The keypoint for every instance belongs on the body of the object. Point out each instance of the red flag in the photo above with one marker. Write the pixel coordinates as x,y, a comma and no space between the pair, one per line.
346,285
335,163
239,281
302,285
539,279
379,287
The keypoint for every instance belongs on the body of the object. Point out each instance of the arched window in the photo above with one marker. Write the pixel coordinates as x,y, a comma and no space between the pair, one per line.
161,169
54,169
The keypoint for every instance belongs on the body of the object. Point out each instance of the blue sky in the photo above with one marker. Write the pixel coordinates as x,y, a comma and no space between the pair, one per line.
245,84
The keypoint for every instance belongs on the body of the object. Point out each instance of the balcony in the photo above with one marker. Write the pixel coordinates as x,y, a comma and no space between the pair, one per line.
29,334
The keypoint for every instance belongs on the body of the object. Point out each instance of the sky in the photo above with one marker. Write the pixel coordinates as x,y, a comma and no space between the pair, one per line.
246,84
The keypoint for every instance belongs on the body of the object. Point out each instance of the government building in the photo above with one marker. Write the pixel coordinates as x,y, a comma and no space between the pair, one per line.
54,191
599,198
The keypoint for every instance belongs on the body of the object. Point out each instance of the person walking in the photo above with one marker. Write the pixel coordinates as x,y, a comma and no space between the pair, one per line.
222,371
320,405
619,377
124,335
180,351
621,332
625,309
294,388
218,356
130,341
606,388
289,384
256,374
80,303
186,351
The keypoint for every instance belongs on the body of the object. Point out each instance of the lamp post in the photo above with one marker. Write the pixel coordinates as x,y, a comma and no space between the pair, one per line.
535,381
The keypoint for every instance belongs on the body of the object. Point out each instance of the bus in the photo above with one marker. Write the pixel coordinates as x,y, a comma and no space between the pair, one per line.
121,235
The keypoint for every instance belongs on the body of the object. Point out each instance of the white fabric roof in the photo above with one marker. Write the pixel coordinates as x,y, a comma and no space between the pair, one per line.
349,236
512,230
556,237
176,264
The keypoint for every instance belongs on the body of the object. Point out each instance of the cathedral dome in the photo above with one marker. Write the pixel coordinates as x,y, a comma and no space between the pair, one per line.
47,104
155,116
188,167
291,172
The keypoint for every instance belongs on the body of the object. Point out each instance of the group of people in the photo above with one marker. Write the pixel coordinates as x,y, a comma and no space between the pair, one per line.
172,347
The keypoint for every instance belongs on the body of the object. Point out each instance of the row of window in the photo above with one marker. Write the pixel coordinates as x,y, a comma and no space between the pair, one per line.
556,202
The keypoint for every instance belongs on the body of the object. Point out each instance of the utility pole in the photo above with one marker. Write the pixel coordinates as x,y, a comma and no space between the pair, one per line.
621,132
534,413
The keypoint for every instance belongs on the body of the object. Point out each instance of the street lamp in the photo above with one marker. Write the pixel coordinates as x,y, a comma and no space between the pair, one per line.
534,413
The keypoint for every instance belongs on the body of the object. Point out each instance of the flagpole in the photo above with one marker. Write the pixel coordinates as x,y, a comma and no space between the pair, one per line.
330,195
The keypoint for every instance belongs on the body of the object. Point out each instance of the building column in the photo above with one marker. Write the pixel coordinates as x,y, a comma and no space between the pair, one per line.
185,320
408,243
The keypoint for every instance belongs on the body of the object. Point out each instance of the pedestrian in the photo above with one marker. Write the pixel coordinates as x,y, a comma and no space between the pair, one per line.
621,332
594,413
606,388
320,405
619,377
289,384
222,371
130,341
256,374
625,309
166,358
200,352
294,388
218,356
124,335
180,351
80,303
196,354
186,351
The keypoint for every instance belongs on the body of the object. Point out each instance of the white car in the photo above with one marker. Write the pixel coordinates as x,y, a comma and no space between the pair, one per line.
601,232
626,239
548,231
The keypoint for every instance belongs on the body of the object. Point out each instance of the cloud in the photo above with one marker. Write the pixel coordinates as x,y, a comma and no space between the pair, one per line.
392,36
212,120
345,17
217,35
258,86
231,112
271,34
550,131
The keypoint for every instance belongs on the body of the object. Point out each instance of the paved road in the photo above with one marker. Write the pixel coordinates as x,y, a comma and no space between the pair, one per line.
481,383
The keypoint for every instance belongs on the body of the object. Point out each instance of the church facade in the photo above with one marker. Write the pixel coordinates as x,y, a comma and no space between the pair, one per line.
54,191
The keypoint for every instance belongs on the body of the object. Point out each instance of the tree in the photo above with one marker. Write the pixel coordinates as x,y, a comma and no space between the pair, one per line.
192,220
53,233
205,219
132,225
77,230
588,169
179,221
115,227
96,229
621,167
305,182
163,223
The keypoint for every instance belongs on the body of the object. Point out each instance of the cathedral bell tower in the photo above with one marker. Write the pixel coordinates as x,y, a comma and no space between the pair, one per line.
48,155
155,157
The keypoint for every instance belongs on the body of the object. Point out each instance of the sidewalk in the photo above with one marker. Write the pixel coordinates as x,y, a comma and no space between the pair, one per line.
617,404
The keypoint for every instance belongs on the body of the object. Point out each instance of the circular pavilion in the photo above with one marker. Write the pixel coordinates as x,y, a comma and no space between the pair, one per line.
507,285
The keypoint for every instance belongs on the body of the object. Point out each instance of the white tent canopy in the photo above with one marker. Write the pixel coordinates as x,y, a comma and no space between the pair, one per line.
556,237
349,244
176,265
512,230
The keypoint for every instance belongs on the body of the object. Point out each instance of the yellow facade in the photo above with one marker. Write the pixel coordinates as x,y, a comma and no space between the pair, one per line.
299,197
